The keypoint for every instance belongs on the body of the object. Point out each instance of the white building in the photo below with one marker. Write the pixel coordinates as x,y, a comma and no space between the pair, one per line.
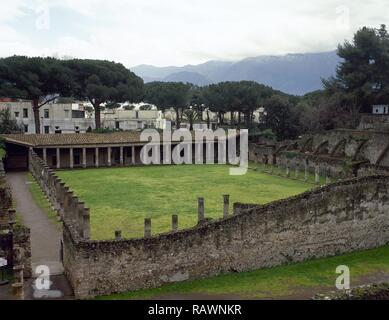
381,109
132,119
54,117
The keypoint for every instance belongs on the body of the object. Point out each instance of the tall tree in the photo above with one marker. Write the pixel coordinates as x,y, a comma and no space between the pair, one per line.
362,78
166,95
7,124
281,117
40,80
100,81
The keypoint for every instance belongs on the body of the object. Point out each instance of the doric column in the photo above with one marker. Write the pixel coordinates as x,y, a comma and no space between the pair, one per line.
109,156
97,157
71,157
121,156
200,210
45,155
133,154
317,174
58,158
226,205
306,170
84,157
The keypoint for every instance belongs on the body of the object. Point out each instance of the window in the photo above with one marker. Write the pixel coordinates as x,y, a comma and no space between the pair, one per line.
46,113
77,161
57,130
25,113
67,114
47,129
136,114
26,128
117,124
77,129
16,114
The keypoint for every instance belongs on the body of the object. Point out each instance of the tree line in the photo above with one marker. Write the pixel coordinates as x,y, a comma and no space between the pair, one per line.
44,79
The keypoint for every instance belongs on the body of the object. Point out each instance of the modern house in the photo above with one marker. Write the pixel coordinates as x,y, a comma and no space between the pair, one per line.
132,119
380,109
55,117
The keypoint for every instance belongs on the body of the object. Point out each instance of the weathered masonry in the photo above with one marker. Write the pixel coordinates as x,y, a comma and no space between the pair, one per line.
15,245
335,219
337,153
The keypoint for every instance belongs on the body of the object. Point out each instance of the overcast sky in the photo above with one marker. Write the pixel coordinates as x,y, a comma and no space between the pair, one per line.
178,32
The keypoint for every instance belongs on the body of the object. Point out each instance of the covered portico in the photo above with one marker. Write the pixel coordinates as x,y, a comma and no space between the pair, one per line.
87,150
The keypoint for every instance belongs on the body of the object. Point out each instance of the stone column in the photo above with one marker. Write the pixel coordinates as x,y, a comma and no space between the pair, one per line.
84,157
306,173
133,155
147,227
121,156
174,222
226,205
45,155
328,176
109,156
288,168
200,211
71,157
58,158
317,174
97,157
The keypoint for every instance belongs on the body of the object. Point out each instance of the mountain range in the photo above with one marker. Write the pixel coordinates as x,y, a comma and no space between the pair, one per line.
292,73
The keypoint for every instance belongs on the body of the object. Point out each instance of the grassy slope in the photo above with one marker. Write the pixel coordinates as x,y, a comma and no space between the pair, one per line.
120,198
318,275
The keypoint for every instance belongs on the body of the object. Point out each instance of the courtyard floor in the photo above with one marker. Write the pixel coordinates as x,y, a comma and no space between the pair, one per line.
121,198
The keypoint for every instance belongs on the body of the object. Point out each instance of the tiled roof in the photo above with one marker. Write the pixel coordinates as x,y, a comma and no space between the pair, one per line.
69,139
36,140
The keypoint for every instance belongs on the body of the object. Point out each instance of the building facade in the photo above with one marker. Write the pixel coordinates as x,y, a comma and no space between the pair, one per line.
132,119
55,117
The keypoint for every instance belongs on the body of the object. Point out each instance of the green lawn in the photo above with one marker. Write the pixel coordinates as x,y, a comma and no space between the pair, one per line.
294,281
120,198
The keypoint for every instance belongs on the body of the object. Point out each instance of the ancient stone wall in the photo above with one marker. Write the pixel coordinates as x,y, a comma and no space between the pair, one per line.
335,219
12,236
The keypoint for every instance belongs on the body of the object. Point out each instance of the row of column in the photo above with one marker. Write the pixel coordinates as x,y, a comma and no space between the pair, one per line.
306,172
71,156
200,216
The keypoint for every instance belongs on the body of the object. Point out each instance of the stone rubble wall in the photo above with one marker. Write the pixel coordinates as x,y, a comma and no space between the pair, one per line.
68,206
13,237
335,219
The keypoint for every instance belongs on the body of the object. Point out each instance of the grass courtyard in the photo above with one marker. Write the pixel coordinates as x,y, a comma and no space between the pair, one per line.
120,198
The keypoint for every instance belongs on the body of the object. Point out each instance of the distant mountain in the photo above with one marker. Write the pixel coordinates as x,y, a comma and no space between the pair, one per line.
187,76
292,73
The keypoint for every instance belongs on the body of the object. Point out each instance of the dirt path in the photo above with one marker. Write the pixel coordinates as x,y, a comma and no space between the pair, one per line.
45,236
